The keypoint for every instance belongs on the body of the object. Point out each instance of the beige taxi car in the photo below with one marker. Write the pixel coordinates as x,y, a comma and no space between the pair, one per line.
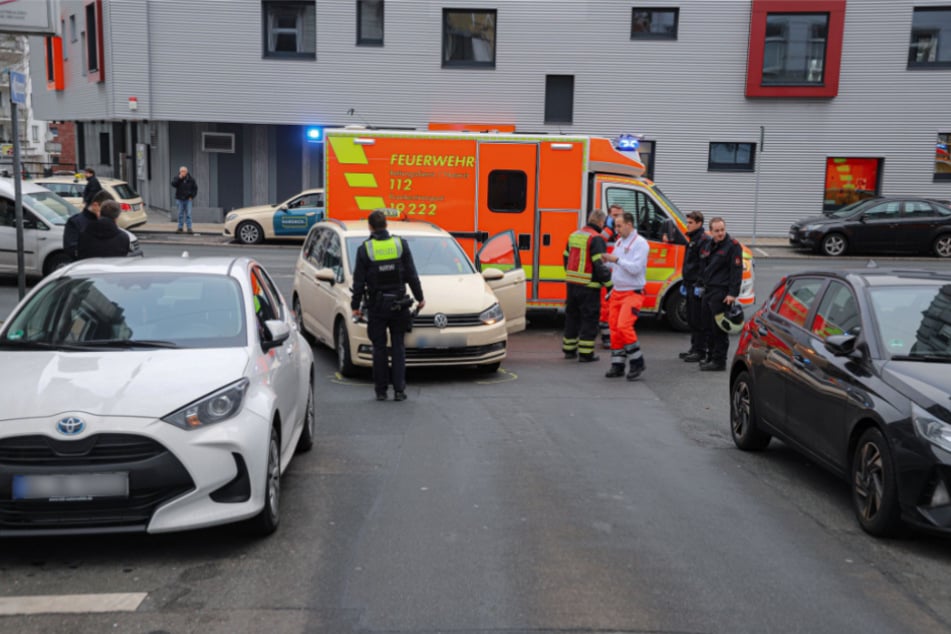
468,314
71,188
293,218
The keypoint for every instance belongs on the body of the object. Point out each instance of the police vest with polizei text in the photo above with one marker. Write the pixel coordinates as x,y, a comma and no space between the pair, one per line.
386,262
580,266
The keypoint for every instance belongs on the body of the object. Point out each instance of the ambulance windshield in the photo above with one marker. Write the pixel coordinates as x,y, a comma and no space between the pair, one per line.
670,205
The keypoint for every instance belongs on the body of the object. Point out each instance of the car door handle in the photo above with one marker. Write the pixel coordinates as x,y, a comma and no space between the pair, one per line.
762,331
799,361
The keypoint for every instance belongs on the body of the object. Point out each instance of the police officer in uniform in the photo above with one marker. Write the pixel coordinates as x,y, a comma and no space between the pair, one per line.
722,258
692,287
384,267
585,275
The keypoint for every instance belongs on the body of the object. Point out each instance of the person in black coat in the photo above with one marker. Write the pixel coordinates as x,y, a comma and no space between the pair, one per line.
77,223
104,238
185,191
722,276
92,187
692,287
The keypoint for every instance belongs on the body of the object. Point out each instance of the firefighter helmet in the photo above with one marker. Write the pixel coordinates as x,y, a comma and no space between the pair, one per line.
730,320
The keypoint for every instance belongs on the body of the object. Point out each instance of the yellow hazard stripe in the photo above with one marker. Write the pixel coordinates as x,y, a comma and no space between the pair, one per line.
348,152
360,180
659,274
369,202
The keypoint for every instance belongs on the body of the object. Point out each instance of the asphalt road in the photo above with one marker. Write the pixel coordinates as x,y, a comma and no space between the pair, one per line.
545,498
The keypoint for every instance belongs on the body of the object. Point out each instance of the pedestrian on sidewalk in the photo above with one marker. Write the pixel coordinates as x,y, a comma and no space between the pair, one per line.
721,278
185,191
585,275
92,187
628,275
692,287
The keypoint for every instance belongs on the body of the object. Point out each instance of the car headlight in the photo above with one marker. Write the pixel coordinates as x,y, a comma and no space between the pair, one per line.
491,315
810,228
930,428
213,408
231,217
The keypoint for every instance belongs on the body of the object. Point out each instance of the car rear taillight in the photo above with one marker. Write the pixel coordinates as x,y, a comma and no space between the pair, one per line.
125,206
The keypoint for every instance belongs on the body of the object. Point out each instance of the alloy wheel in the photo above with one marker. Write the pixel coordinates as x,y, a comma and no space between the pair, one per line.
869,481
740,420
834,244
942,246
274,479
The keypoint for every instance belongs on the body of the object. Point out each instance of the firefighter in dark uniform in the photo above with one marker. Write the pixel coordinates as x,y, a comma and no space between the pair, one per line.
692,288
722,275
384,267
585,275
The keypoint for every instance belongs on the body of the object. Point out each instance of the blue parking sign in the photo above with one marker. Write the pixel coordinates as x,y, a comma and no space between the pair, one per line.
18,87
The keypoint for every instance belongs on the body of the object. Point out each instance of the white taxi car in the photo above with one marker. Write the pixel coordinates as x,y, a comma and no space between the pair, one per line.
467,318
151,395
71,188
293,218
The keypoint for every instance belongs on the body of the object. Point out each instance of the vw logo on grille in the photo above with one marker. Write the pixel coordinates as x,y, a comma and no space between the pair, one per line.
70,426
440,320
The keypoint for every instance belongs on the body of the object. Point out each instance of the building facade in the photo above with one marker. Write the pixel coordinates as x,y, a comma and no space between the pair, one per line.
760,111
35,137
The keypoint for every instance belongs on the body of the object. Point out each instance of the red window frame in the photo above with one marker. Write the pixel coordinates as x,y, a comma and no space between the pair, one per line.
97,74
54,63
833,60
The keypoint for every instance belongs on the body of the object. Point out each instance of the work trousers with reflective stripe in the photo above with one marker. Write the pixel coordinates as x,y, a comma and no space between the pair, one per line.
581,319
625,309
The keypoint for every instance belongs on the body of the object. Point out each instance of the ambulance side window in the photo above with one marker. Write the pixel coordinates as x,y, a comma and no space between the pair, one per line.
507,191
652,222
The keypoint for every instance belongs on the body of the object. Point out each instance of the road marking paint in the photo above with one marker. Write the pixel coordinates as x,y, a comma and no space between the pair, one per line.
762,252
71,603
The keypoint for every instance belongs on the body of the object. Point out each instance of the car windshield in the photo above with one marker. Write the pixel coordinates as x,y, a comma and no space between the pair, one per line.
129,310
432,255
54,208
914,320
124,191
848,210
673,208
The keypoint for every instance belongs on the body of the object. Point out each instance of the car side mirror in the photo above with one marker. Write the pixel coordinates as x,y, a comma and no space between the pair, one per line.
276,332
490,275
282,208
841,345
326,275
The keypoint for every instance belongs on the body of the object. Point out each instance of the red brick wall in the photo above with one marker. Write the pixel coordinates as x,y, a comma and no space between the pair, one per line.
67,139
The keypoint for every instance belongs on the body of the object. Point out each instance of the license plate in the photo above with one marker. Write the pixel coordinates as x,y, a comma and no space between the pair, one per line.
136,207
77,487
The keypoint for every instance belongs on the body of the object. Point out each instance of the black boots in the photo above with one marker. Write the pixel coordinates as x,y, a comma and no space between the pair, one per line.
713,366
588,358
693,357
616,370
637,367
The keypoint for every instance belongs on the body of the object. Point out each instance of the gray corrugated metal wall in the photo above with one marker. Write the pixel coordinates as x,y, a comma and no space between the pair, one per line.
192,60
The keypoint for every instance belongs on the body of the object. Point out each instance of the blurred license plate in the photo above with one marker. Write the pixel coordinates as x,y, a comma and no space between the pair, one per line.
70,487
136,207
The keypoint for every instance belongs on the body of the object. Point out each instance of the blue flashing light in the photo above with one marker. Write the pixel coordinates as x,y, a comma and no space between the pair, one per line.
314,134
627,142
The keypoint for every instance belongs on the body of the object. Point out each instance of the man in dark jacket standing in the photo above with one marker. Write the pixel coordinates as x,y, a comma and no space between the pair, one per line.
104,238
721,279
77,223
384,267
692,288
92,187
185,191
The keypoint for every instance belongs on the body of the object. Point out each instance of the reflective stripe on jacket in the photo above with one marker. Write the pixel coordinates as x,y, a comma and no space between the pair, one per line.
580,261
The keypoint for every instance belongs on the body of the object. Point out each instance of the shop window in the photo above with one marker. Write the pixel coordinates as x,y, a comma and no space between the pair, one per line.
508,191
290,29
849,180
654,24
468,38
795,48
105,149
55,75
93,49
930,37
559,98
942,159
731,157
369,22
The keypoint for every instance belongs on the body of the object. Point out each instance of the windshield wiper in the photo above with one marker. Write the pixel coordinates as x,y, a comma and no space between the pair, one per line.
24,344
931,358
129,343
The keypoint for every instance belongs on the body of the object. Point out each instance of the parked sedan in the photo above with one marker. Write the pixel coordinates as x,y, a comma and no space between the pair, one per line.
293,218
854,370
878,225
71,188
468,315
151,395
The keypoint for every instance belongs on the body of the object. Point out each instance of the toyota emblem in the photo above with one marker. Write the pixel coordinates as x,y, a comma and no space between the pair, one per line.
70,426
440,320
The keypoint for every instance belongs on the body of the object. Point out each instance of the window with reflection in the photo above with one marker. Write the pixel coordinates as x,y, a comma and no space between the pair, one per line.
468,38
930,45
942,159
795,48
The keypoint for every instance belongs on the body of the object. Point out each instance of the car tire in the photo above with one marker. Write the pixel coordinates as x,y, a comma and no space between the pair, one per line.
342,346
299,319
266,522
744,423
834,244
249,232
55,260
875,486
942,246
675,308
306,441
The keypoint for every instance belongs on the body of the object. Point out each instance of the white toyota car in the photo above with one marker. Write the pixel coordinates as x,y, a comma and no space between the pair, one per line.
150,395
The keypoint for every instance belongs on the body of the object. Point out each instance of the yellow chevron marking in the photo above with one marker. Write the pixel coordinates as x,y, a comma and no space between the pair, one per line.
370,203
360,180
348,152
